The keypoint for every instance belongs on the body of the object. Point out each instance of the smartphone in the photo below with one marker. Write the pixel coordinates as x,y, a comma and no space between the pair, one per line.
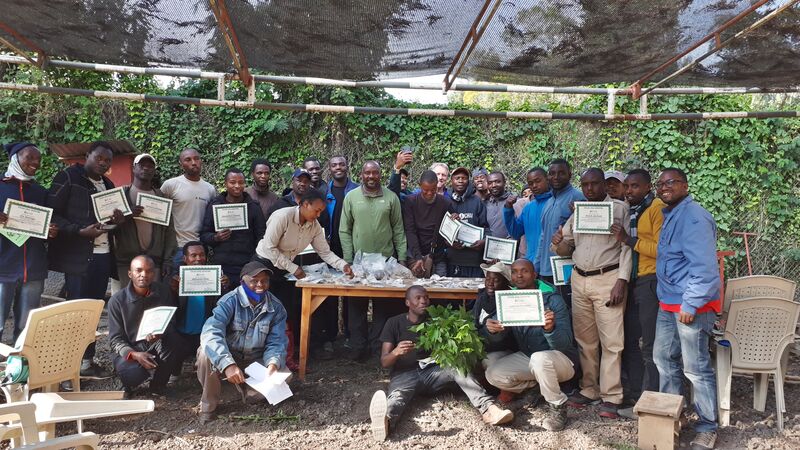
407,149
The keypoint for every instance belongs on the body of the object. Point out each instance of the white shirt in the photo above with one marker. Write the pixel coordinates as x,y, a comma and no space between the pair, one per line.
189,205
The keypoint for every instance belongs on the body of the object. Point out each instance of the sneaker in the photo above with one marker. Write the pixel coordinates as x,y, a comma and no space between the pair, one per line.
65,386
378,407
578,400
506,397
627,413
92,371
162,392
173,380
556,418
704,441
497,416
608,410
207,416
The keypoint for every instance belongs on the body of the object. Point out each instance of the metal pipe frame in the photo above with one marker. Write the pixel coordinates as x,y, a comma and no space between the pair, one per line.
309,81
226,27
720,45
318,108
637,85
474,35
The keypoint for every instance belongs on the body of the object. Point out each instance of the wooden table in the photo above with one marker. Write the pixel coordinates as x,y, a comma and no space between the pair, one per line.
315,294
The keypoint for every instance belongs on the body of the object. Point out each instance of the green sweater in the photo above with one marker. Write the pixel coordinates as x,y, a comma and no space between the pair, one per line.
372,225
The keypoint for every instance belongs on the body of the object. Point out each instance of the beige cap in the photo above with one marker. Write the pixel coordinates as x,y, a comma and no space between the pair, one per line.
497,267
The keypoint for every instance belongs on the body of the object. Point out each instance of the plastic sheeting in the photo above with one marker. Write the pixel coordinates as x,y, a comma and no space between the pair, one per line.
546,42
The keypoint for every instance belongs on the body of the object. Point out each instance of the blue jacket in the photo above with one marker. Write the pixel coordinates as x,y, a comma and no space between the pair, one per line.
555,213
29,262
248,333
528,223
333,229
686,265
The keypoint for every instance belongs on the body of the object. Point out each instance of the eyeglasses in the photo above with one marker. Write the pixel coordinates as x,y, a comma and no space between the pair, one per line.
668,183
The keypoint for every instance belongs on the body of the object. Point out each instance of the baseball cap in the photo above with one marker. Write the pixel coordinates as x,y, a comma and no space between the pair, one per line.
143,156
463,170
615,174
497,267
300,173
254,268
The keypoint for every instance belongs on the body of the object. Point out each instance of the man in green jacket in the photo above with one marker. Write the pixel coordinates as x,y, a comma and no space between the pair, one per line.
372,223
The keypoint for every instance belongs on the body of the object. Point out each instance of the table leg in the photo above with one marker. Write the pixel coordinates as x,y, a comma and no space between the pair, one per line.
305,322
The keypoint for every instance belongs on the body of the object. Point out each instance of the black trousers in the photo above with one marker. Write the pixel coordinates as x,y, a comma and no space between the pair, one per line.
167,352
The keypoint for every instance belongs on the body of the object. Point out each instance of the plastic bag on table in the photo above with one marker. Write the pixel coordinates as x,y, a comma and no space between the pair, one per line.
396,270
374,264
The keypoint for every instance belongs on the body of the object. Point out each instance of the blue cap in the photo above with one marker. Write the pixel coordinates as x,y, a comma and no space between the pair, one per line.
301,172
15,147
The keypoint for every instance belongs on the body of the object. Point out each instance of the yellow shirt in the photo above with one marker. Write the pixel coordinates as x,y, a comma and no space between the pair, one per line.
648,228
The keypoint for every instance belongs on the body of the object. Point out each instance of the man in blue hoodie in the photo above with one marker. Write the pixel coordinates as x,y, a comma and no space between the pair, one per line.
23,265
529,222
688,292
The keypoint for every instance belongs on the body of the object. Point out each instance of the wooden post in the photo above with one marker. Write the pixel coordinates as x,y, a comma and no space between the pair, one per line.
659,416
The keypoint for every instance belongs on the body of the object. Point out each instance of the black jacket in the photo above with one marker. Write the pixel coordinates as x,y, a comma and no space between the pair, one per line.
70,198
471,209
125,311
241,246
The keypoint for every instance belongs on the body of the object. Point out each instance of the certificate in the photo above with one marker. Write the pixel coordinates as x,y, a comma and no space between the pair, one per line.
562,269
449,228
503,249
106,202
230,216
200,280
155,321
156,210
469,233
27,219
15,238
593,217
523,307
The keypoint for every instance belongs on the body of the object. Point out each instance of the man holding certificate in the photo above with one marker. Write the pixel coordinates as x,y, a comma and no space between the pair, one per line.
465,255
232,225
82,251
142,341
422,214
148,231
23,259
599,287
546,356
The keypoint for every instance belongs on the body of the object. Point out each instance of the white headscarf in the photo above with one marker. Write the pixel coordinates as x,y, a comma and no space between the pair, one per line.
15,170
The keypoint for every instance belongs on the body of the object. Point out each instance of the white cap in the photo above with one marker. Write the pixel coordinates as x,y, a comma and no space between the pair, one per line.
143,156
615,174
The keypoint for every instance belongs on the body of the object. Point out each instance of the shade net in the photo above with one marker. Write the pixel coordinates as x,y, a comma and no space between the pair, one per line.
550,42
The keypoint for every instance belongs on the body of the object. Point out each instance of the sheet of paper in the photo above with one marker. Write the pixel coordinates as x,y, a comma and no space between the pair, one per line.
522,307
593,217
155,321
449,228
200,280
503,249
15,238
230,216
561,267
273,388
157,209
105,202
27,218
469,234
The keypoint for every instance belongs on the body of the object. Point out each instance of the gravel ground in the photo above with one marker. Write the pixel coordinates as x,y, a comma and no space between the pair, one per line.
330,410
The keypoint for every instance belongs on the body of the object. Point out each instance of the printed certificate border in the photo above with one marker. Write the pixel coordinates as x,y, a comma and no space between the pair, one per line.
215,210
498,298
577,228
216,269
116,191
559,280
157,199
43,235
505,241
469,225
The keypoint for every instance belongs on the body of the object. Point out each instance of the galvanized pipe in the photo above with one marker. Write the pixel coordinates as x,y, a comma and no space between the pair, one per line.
297,107
466,87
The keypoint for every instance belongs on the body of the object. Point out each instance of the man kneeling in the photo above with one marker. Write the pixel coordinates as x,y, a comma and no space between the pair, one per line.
546,354
247,325
136,358
411,375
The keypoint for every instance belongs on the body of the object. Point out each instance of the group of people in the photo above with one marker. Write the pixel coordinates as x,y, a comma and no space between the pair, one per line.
636,315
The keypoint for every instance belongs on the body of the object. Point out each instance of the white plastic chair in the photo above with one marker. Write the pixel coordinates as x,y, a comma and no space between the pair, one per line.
759,331
53,341
758,286
18,423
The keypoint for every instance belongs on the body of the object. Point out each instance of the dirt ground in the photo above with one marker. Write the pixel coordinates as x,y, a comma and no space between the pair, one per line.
330,410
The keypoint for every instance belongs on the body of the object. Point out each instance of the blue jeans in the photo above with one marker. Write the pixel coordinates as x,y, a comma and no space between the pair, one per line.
25,297
683,350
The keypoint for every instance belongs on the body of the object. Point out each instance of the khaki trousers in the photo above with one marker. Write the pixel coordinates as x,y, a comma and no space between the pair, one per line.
598,326
211,380
516,372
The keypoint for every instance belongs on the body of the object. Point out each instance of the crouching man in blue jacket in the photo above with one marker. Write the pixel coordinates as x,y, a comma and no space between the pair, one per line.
247,325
